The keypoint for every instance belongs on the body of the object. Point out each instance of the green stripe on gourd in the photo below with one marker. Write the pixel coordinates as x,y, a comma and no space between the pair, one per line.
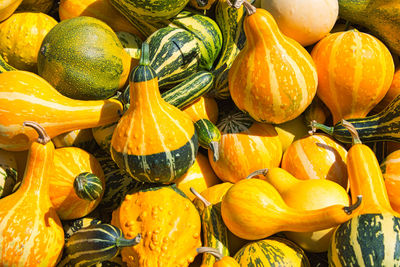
207,33
174,55
209,136
94,244
88,186
162,167
72,226
131,43
143,72
366,240
4,66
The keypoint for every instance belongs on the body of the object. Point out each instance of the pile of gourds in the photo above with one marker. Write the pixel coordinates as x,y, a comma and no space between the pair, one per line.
201,133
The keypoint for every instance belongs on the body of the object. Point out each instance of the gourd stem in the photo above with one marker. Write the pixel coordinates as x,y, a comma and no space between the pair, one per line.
145,54
205,201
43,136
214,146
249,8
354,134
354,206
257,172
123,242
319,126
211,251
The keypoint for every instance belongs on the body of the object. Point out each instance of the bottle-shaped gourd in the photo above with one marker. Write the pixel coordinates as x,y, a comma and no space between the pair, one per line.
153,141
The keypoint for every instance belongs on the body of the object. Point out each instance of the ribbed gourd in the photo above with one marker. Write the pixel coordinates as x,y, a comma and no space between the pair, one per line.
273,78
153,141
30,229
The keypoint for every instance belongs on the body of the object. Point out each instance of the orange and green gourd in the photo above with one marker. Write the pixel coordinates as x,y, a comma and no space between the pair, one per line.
153,141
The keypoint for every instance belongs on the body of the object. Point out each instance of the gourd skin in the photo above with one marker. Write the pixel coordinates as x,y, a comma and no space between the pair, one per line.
43,6
30,229
273,78
355,71
7,8
27,96
391,173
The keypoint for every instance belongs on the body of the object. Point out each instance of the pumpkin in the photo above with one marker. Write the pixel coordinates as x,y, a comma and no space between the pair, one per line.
21,36
316,156
237,156
67,187
8,7
273,78
168,221
30,228
220,260
153,141
391,175
43,6
100,9
273,251
307,22
83,59
200,176
28,92
355,71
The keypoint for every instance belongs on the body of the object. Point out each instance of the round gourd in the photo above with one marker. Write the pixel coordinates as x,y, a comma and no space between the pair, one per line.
355,71
83,59
21,36
305,21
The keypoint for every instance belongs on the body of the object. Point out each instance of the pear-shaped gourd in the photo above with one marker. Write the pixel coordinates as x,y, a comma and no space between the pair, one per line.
273,78
30,229
153,141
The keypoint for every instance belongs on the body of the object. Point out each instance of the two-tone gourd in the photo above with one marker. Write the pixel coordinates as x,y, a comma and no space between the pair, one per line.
273,78
153,141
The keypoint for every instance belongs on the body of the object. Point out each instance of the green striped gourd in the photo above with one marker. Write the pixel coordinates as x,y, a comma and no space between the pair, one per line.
153,141
273,251
94,244
72,226
209,136
8,173
88,186
384,126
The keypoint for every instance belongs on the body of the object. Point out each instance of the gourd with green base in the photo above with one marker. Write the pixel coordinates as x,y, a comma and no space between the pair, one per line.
94,244
383,126
371,238
153,141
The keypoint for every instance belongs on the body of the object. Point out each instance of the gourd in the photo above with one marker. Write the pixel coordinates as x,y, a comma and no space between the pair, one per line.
30,228
273,78
72,226
370,237
380,18
39,101
94,244
169,223
273,251
82,138
21,36
220,260
70,190
251,201
100,9
393,91
307,22
203,108
8,7
237,156
390,171
4,66
291,131
8,173
200,176
317,111
153,141
43,6
88,62
383,126
316,156
307,195
355,71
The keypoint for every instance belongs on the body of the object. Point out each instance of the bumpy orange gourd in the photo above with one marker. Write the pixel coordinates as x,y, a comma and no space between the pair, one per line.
21,36
316,156
273,78
355,71
30,229
27,96
69,162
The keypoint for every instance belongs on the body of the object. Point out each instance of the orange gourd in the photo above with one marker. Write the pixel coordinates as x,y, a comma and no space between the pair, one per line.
7,8
203,108
391,174
69,162
355,71
316,156
27,96
273,78
30,229
221,261
393,91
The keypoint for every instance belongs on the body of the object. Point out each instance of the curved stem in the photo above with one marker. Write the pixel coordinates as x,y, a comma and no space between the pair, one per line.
214,146
43,137
211,251
197,194
257,172
353,131
123,242
354,206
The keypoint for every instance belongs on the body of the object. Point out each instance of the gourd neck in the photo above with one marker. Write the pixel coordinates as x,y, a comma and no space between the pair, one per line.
281,179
